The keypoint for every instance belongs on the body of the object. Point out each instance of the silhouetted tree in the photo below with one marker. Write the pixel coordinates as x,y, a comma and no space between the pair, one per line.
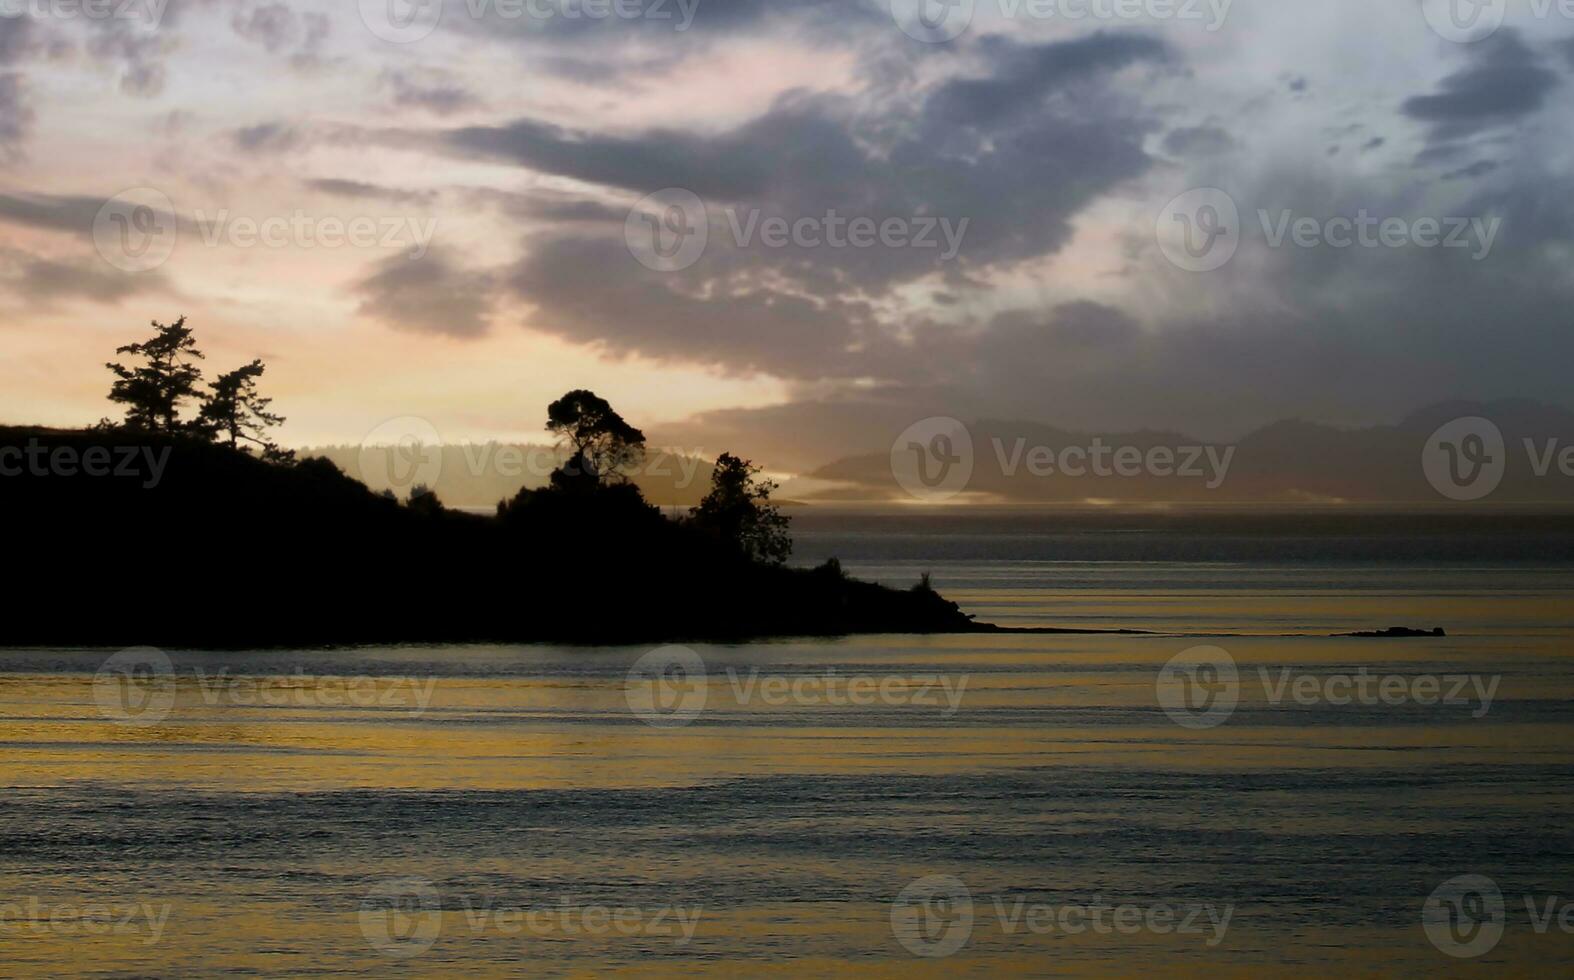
602,443
424,499
738,509
153,392
235,410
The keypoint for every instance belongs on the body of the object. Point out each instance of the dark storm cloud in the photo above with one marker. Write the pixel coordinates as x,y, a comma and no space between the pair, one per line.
1017,177
1022,76
431,295
1505,82
726,168
589,290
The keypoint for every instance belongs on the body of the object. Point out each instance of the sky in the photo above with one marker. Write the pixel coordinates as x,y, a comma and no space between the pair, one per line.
793,228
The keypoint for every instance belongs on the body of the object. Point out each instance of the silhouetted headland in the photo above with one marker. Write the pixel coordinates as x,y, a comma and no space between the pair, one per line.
129,538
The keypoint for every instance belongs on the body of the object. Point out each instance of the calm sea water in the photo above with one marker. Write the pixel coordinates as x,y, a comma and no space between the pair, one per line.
976,806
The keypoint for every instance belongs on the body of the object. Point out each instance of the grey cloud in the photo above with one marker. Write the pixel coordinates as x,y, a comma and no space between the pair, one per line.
280,30
16,115
1195,141
432,91
67,213
44,281
364,191
140,52
1505,82
1016,177
271,137
431,295
1478,169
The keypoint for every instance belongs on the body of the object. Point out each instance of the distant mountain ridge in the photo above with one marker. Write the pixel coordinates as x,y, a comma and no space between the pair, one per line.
1289,462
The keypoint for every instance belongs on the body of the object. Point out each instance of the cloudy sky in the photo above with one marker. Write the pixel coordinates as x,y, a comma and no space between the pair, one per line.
454,219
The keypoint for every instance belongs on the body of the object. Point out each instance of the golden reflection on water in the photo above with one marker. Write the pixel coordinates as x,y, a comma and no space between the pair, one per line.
1030,704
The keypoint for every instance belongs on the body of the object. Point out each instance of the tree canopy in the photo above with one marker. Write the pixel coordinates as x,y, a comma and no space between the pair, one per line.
602,444
154,390
738,509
